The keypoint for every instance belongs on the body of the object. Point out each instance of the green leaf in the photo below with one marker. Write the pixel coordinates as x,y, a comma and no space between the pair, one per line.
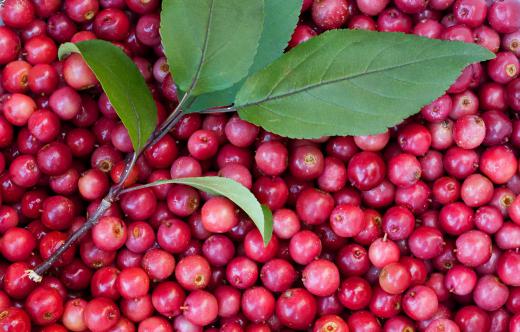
240,195
212,99
280,19
279,23
124,85
210,44
268,224
352,82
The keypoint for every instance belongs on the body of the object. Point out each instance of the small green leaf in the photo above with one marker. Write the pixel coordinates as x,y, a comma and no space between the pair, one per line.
352,82
124,85
231,189
210,44
280,19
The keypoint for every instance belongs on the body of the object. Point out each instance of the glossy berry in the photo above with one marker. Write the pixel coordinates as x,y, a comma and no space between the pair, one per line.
504,67
10,45
394,278
366,170
258,304
219,215
44,305
482,291
278,275
18,109
383,252
473,248
371,8
404,170
420,303
296,308
17,14
101,313
203,144
321,278
109,233
241,272
132,283
460,280
394,20
77,74
17,244
496,158
469,131
470,12
304,247
347,220
329,14
272,158
314,206
24,171
111,24
201,307
301,34
504,17
256,249
193,272
306,162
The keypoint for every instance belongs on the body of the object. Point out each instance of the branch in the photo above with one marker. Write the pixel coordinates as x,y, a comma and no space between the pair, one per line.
111,197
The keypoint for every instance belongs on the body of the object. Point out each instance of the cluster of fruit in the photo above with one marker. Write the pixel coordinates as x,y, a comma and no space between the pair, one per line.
417,228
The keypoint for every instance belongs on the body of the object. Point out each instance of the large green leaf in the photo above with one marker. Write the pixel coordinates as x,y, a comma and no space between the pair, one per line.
210,44
231,189
280,19
124,85
352,82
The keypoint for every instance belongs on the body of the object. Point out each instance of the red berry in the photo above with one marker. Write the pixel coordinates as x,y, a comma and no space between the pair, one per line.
219,215
330,14
101,313
296,308
201,307
132,283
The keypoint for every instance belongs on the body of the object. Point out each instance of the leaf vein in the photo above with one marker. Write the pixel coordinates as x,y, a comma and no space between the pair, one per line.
377,55
204,50
134,110
329,65
303,60
269,96
373,92
286,115
216,52
330,102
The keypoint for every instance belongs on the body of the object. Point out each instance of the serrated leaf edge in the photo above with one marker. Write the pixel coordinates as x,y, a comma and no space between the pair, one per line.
240,107
230,83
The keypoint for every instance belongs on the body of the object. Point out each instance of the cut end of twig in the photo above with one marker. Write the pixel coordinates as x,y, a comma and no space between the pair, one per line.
33,275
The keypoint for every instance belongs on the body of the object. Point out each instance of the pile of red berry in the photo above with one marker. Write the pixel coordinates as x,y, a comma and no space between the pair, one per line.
414,229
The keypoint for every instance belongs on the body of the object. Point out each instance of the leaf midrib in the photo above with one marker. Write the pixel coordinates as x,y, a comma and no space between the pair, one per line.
202,59
130,101
270,97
